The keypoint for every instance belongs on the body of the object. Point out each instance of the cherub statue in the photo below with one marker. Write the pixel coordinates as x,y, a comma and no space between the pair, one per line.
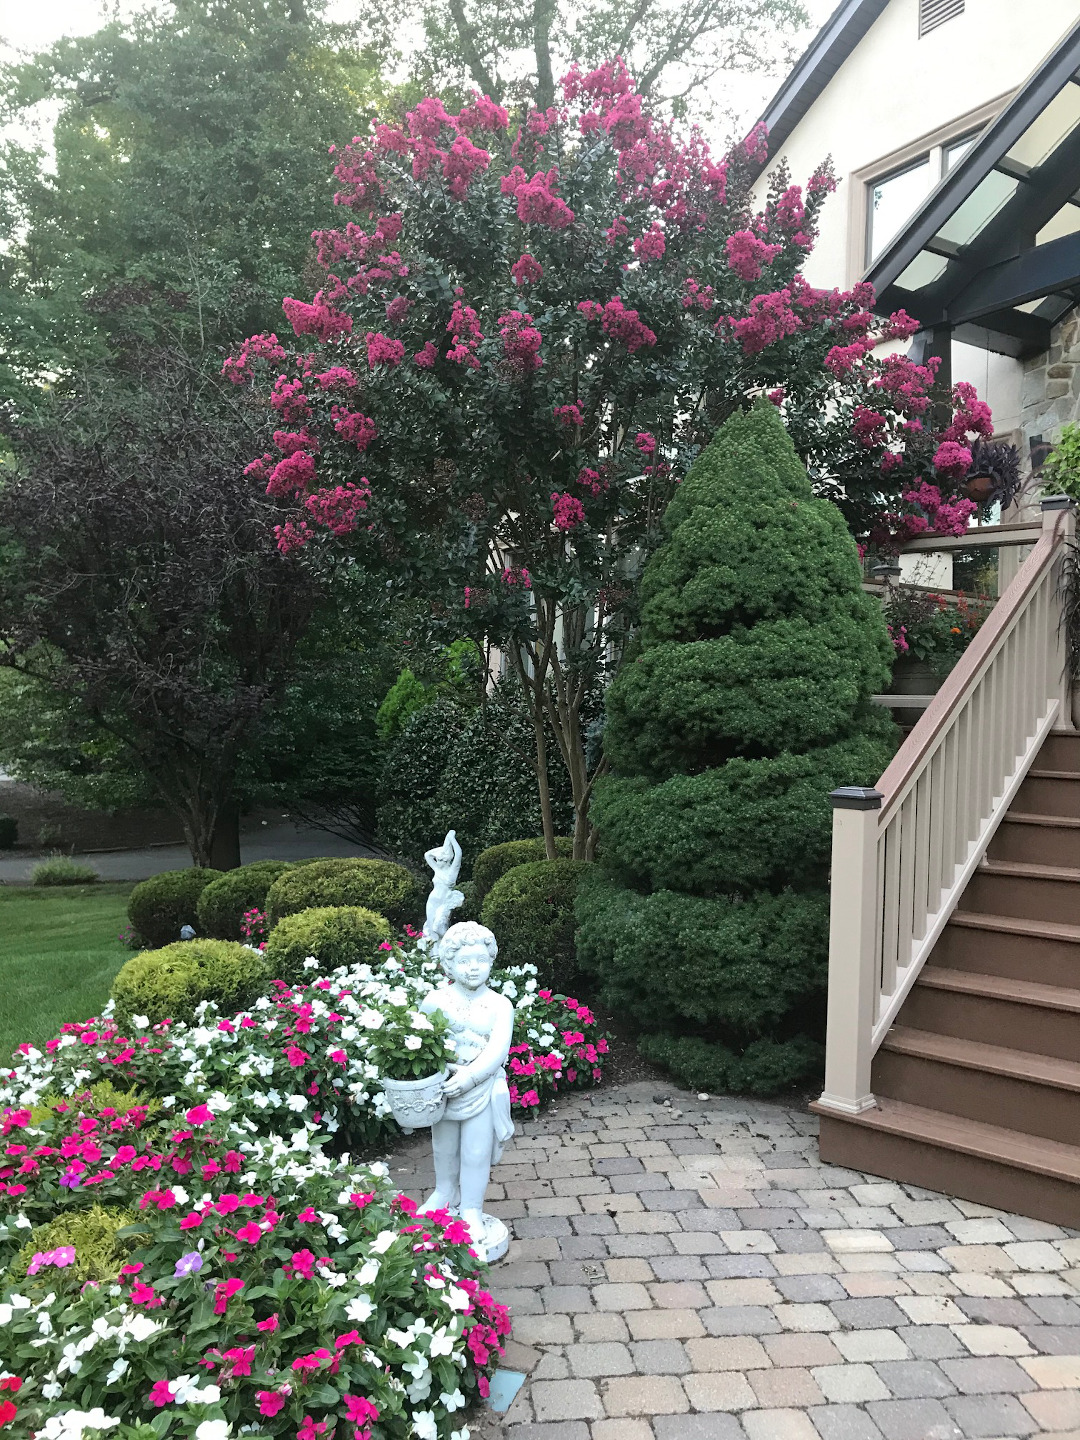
470,1137
444,861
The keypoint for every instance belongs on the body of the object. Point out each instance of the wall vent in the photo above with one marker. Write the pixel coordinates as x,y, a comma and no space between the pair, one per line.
933,13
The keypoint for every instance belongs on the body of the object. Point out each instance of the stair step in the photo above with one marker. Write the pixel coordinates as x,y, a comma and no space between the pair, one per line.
1016,925
977,1055
985,1163
1004,988
1050,792
1037,774
1039,839
1016,887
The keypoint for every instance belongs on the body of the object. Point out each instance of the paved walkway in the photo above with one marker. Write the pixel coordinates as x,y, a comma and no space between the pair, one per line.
692,1271
283,840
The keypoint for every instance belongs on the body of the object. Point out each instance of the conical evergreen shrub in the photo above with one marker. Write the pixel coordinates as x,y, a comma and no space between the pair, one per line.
705,924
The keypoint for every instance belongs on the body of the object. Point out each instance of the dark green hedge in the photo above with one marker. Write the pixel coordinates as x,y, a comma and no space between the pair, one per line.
160,906
764,1067
531,911
744,825
224,902
496,860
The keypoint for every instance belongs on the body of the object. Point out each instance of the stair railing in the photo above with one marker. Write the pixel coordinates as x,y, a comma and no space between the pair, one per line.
903,851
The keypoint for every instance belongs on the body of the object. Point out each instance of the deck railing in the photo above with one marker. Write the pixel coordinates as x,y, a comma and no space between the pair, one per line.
904,851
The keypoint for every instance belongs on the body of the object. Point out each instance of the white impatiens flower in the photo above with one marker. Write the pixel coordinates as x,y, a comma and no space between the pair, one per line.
141,1022
424,1426
120,1367
213,1430
421,1022
442,1343
383,1241
456,1298
413,1042
368,1273
311,963
452,1399
371,1019
297,1102
71,1423
463,1434
360,1309
141,1327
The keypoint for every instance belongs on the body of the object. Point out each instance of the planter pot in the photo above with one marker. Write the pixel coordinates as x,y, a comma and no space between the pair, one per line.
979,487
416,1103
912,677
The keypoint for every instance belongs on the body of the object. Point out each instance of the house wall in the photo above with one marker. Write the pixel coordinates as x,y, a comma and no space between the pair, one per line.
894,90
1051,388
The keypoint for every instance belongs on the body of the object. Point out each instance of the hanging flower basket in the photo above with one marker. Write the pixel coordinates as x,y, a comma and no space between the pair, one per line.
980,488
416,1103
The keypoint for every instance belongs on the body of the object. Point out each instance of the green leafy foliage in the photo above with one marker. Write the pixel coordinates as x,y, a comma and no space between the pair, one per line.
410,1045
1060,472
496,860
746,703
223,903
459,678
159,907
377,885
168,984
530,909
472,771
333,935
62,870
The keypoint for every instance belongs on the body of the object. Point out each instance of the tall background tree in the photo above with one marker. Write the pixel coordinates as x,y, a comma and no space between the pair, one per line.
139,578
514,52
185,170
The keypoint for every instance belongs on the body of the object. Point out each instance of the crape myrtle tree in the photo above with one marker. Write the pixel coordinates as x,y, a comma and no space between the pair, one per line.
746,702
524,337
139,578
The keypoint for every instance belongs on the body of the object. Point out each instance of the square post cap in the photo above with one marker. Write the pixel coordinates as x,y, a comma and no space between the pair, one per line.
1056,502
856,797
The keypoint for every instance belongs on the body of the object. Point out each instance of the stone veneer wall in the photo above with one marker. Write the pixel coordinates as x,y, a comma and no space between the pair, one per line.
1051,389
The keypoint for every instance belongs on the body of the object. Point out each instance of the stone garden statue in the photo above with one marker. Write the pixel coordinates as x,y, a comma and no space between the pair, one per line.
444,861
476,1124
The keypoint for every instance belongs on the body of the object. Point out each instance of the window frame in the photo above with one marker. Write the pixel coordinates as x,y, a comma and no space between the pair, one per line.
931,144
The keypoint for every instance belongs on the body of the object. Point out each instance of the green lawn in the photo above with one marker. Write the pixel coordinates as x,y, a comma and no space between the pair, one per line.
58,954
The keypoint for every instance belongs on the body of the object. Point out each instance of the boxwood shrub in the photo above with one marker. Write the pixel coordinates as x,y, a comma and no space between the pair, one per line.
531,911
162,905
224,902
168,984
377,885
496,860
333,935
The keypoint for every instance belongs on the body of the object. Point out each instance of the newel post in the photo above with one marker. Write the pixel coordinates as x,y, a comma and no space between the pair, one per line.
1065,526
853,922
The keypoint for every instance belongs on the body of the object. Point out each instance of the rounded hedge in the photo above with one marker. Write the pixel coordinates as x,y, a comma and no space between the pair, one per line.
333,935
749,824
496,860
224,902
168,984
730,969
377,885
531,911
764,1067
162,905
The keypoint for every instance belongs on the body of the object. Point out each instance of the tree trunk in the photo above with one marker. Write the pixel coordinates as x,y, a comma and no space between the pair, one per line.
225,842
543,785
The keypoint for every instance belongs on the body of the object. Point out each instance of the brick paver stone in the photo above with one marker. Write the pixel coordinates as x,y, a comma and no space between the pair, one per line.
692,1271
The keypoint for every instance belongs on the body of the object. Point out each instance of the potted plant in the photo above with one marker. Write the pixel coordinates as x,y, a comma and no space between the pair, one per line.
929,635
412,1052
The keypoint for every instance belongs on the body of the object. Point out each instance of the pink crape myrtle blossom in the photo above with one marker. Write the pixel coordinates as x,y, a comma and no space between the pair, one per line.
527,300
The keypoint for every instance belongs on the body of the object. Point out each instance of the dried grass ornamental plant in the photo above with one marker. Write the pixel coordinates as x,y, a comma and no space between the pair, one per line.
524,337
409,1045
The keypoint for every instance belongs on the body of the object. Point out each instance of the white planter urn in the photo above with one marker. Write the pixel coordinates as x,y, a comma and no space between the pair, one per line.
416,1103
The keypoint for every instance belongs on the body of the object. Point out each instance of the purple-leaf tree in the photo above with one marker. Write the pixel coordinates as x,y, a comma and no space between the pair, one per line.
524,337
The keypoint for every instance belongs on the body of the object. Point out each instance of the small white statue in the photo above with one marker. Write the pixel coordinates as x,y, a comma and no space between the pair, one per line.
476,1125
444,861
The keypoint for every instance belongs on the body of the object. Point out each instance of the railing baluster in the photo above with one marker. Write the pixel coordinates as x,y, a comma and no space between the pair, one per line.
898,872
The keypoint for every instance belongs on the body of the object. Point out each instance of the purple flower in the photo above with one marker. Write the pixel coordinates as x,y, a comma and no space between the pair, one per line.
70,1179
189,1264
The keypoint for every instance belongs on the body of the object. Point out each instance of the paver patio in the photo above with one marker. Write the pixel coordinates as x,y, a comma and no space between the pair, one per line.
692,1271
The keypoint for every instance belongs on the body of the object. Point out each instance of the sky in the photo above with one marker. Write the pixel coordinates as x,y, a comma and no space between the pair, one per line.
35,26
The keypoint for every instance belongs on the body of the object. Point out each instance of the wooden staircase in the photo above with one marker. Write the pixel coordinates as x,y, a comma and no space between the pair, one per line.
976,1084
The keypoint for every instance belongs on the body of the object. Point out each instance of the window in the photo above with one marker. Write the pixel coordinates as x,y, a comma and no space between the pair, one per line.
894,197
933,13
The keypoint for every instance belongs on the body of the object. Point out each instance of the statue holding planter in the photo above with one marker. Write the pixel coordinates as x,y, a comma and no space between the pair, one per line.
476,1124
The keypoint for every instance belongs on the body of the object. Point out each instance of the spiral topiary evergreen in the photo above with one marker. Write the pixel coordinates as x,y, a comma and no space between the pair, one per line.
705,924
